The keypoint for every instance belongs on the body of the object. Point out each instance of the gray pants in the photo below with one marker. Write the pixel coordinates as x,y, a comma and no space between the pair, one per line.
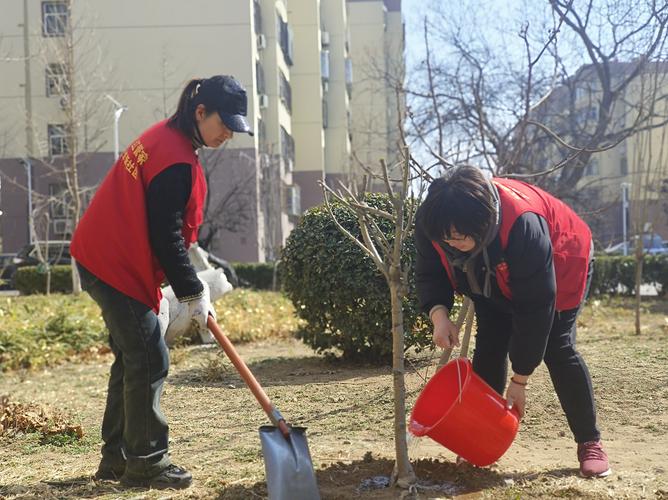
133,428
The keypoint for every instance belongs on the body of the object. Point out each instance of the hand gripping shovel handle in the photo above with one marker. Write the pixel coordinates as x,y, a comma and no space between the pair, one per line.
262,398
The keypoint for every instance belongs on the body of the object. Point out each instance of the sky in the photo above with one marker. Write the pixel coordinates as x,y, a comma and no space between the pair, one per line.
414,12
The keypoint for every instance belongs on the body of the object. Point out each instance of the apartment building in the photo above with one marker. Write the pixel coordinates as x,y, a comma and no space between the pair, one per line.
635,169
73,69
377,43
346,105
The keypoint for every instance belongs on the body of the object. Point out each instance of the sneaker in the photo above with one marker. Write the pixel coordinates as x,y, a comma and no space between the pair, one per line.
172,477
109,473
593,459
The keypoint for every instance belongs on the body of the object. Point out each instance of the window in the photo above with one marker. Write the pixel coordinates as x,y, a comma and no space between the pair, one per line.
285,92
325,114
293,200
584,115
623,165
55,17
287,149
324,65
56,80
349,75
61,229
285,38
58,140
592,167
259,78
261,134
59,197
257,16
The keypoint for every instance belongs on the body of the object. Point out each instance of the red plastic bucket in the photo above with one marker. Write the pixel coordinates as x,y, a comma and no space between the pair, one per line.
460,411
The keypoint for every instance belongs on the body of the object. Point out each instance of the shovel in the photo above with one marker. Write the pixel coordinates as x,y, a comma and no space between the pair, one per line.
287,461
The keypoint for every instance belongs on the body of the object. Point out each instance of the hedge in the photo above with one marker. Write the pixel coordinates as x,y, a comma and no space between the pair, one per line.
615,275
30,280
257,275
338,290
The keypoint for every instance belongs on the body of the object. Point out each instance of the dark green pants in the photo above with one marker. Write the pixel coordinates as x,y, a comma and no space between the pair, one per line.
134,428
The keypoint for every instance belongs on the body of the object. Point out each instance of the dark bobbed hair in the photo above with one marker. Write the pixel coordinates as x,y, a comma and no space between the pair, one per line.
461,199
183,118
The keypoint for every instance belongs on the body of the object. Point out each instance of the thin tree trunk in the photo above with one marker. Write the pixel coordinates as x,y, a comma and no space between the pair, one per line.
639,266
403,470
73,184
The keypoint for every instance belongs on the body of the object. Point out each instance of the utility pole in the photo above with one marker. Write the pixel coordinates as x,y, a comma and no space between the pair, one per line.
117,116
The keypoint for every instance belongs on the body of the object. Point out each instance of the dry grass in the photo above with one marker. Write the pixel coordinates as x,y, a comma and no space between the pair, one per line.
37,331
250,315
348,410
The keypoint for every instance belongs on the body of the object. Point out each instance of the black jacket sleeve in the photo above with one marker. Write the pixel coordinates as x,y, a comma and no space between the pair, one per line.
431,279
166,199
533,287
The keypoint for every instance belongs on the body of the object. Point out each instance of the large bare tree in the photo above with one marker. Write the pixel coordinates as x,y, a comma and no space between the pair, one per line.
542,95
232,209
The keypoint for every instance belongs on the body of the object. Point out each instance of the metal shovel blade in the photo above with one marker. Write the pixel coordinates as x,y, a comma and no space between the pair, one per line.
288,465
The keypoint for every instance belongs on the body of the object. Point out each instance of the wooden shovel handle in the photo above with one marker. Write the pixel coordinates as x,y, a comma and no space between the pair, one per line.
248,376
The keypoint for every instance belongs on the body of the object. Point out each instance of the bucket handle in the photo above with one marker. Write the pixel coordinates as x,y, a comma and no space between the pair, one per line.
513,410
459,379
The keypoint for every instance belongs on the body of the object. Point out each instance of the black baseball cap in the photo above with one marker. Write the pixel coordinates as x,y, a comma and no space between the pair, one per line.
230,100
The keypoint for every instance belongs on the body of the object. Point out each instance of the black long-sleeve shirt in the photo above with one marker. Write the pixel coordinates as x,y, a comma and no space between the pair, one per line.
166,199
532,283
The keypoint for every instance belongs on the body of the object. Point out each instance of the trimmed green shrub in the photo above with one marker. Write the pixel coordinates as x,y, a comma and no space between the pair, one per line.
338,290
30,280
615,275
257,275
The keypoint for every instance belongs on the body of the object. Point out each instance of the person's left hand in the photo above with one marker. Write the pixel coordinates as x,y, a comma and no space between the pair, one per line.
516,397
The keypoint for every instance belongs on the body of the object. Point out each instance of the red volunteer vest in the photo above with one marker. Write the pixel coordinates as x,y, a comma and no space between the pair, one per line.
570,235
111,239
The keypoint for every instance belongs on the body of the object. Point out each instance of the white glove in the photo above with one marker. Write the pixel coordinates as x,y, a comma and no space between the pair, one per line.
184,317
199,310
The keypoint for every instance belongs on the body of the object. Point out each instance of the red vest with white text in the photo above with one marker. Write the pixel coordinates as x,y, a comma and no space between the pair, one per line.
570,236
112,239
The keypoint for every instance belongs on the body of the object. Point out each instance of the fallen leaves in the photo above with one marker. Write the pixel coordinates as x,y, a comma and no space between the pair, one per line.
31,417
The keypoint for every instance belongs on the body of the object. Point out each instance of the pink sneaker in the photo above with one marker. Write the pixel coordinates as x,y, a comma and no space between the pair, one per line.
593,459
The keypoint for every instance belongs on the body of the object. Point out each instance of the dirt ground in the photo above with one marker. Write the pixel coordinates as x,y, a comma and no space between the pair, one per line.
348,412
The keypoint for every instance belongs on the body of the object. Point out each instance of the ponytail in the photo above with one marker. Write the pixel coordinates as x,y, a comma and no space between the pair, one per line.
184,117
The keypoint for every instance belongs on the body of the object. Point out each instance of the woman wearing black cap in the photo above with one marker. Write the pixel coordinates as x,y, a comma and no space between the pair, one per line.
135,233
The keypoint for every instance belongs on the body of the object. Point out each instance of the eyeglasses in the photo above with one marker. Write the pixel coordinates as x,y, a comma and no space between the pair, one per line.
455,239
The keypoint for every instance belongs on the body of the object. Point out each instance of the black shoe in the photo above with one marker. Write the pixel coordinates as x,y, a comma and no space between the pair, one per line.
172,477
109,473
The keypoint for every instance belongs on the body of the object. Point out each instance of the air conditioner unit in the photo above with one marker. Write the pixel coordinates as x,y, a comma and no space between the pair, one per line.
263,101
261,42
324,38
61,226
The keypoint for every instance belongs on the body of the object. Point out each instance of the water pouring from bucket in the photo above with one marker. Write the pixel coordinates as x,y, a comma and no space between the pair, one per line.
460,411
